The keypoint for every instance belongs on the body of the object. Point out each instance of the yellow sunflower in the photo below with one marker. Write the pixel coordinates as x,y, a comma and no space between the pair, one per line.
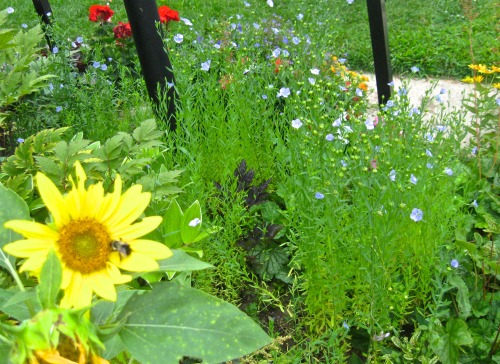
94,235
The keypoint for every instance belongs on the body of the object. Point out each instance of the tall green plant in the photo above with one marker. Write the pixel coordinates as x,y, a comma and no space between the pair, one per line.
19,74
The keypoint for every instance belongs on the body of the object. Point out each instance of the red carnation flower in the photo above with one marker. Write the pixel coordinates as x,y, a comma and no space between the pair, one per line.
100,13
122,30
167,14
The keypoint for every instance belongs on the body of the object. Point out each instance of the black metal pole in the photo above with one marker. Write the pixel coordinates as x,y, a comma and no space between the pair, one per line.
155,63
44,11
380,46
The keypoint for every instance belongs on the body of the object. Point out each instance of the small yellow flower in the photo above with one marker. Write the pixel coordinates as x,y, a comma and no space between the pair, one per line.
468,79
475,79
84,224
497,85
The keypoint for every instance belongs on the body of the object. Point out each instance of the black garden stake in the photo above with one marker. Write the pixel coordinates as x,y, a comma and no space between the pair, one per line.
380,47
44,11
156,67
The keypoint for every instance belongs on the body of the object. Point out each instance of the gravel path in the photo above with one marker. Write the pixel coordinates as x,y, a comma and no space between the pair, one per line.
453,93
452,97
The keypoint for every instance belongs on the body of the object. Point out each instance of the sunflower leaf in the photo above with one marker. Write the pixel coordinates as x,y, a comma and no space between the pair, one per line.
13,208
174,321
50,281
182,261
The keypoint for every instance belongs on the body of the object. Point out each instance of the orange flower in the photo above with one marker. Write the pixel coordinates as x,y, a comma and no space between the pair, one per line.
363,86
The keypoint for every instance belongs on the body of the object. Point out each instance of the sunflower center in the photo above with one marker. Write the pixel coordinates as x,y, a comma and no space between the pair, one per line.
68,349
84,245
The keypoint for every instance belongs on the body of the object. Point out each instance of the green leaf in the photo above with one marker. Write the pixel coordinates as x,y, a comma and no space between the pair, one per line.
147,131
459,335
446,346
182,261
171,225
174,321
50,281
14,303
5,351
191,223
462,295
13,208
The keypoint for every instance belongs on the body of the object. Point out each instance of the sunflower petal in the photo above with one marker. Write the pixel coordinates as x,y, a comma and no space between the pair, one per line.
137,262
132,204
73,204
25,248
32,229
67,277
102,285
151,248
116,275
53,357
111,201
53,199
78,294
132,232
94,198
34,262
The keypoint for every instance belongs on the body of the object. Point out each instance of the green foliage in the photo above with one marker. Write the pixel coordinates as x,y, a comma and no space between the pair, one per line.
201,326
50,282
18,53
448,340
322,250
126,154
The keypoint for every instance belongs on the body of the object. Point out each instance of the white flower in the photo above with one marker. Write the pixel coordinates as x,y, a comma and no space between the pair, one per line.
413,179
10,10
392,175
448,171
194,222
284,92
416,215
369,123
350,1
270,3
187,21
315,71
295,40
296,123
311,80
178,38
300,16
205,66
